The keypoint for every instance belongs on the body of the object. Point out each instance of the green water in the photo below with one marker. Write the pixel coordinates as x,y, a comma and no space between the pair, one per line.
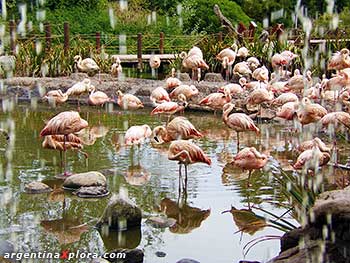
33,223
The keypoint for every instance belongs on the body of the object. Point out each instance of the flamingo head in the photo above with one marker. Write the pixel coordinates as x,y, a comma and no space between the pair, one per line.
228,107
120,93
77,58
158,133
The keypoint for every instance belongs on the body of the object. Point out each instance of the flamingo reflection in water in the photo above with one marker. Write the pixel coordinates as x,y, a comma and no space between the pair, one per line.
187,218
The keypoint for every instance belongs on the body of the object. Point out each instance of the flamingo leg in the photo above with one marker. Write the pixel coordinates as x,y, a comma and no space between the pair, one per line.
185,187
237,141
65,155
180,179
250,173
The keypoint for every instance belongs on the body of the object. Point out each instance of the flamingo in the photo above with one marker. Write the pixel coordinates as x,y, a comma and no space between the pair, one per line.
288,110
171,107
277,63
311,159
172,82
310,112
259,96
284,98
217,100
188,90
128,101
228,57
186,152
193,60
154,61
289,56
249,159
253,63
98,98
235,89
339,60
159,95
64,123
80,88
87,65
297,83
56,97
243,52
136,135
308,145
178,128
238,121
242,69
56,142
116,68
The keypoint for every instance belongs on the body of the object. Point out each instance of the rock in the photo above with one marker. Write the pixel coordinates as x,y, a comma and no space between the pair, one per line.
121,213
187,260
160,254
91,191
161,222
126,256
91,178
37,188
183,76
213,77
79,76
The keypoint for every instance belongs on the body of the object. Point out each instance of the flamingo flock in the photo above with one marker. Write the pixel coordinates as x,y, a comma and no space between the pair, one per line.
301,98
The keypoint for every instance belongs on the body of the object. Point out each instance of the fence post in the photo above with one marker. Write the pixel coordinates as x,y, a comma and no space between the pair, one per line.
12,37
66,37
220,37
98,42
161,43
139,51
47,36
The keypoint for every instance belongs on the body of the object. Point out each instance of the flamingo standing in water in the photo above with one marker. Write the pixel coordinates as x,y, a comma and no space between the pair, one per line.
170,107
178,128
128,101
186,152
238,121
80,88
249,159
136,135
64,123
55,142
56,97
311,159
98,98
87,65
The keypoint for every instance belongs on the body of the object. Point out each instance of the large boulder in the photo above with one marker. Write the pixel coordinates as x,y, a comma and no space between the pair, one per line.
37,188
87,179
326,236
121,213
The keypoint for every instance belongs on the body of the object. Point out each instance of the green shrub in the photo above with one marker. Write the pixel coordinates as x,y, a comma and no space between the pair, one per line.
198,15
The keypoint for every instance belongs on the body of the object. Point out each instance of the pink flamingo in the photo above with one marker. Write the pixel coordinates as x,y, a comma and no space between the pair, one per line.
171,107
98,98
172,82
188,90
284,98
178,128
56,97
159,95
128,101
249,159
217,100
310,112
64,123
80,88
136,135
339,60
186,152
312,159
193,60
239,122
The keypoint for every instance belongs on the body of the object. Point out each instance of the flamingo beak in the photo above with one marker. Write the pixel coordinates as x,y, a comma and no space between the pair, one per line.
226,211
156,139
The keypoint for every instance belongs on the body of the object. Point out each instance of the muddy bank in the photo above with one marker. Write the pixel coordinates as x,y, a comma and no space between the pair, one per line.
27,88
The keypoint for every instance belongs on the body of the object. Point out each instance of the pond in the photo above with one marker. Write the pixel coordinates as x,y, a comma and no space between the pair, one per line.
203,232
